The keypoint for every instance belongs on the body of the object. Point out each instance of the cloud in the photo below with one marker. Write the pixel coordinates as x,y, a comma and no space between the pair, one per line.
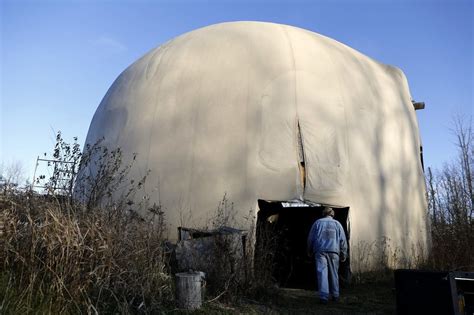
109,43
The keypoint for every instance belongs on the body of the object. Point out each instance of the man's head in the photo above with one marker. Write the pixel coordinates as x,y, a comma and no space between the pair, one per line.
328,211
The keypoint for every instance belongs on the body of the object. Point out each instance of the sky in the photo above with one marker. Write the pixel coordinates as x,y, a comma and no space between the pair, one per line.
58,58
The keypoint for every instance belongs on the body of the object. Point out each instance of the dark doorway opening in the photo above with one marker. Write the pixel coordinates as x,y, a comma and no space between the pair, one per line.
289,226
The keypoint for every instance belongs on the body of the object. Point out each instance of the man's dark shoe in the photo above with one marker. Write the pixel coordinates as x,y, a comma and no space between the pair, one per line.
323,301
335,299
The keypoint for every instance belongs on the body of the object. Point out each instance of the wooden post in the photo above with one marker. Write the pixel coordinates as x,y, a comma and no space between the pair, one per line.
188,290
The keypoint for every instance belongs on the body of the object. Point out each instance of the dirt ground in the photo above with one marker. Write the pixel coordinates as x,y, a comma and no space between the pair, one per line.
361,299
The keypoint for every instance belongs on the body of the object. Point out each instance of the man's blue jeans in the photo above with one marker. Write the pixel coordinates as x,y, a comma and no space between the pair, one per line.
327,265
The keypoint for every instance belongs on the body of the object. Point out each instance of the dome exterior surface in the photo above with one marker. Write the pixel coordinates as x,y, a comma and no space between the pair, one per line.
255,110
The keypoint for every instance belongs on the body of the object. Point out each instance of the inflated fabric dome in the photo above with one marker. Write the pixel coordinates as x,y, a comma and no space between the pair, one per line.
262,111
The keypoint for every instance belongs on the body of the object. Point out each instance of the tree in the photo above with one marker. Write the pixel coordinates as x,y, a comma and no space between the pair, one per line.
11,176
451,202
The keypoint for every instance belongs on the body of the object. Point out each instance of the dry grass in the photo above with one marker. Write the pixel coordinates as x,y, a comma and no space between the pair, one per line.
59,258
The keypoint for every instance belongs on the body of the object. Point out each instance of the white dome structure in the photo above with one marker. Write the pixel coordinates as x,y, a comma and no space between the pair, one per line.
262,111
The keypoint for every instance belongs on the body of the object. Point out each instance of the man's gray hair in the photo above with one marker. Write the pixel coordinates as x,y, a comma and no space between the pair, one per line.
328,211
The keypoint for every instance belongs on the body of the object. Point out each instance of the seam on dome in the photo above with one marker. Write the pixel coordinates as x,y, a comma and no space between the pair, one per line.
156,101
293,62
297,136
342,101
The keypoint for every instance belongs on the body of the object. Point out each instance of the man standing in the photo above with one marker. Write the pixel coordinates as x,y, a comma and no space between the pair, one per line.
326,241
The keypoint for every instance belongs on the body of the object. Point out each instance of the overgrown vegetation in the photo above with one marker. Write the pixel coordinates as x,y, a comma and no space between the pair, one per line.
71,260
59,256
227,256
